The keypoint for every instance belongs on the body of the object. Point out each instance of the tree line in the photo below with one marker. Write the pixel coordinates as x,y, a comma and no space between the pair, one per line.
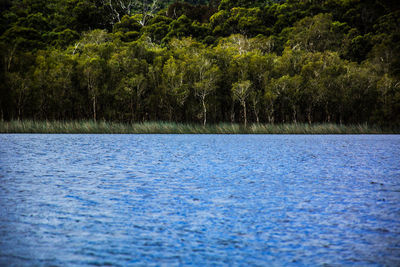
201,61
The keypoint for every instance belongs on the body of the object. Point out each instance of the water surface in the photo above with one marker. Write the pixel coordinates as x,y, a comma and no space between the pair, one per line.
171,200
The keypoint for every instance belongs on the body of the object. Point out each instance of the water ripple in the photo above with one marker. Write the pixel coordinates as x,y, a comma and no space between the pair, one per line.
253,200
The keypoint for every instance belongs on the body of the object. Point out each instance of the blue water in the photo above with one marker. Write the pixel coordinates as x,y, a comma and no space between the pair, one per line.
247,200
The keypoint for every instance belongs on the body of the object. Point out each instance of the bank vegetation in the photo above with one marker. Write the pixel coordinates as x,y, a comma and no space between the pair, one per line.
326,62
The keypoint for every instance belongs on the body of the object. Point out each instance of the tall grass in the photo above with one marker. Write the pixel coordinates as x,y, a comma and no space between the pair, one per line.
72,127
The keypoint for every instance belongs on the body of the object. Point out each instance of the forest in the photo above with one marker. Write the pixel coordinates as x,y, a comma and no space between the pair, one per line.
205,62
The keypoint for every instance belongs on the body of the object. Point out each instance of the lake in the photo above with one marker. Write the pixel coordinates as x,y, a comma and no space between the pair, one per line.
248,200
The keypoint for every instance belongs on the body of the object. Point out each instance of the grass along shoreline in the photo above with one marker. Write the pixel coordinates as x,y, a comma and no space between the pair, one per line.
102,127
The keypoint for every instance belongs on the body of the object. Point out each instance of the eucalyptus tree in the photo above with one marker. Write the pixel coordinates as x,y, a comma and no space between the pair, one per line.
241,92
255,100
93,51
329,97
288,89
144,8
201,72
244,60
318,33
241,66
229,4
174,81
270,95
132,66
312,71
20,89
206,79
260,69
235,44
389,98
290,62
92,72
358,93
133,87
53,82
127,29
224,53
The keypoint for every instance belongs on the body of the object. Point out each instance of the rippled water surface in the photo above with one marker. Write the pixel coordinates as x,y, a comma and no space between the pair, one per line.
199,199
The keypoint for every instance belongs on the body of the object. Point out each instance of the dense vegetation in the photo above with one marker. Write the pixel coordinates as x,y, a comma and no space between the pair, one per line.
201,61
103,127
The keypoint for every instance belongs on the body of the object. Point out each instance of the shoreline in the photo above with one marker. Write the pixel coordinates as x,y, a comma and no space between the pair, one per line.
103,127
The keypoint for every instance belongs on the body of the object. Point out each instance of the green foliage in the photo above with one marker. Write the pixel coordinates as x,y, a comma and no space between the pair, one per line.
318,34
25,39
200,13
241,92
157,28
229,4
127,29
203,62
64,38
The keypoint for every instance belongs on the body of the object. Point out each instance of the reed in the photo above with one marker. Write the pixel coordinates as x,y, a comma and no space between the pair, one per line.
103,127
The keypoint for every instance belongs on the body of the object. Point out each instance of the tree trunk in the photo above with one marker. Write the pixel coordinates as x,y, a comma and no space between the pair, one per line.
309,115
138,105
20,105
131,108
244,114
19,113
204,111
11,57
294,114
270,114
271,119
233,113
94,108
328,115
256,113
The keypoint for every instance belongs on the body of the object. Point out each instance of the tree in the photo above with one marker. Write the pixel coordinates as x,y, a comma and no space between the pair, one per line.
81,15
255,98
389,98
288,90
20,87
157,28
200,13
183,27
94,51
205,81
174,80
91,69
23,38
201,73
132,88
53,84
144,8
241,91
127,28
290,62
229,4
358,94
318,34
260,68
312,72
270,97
